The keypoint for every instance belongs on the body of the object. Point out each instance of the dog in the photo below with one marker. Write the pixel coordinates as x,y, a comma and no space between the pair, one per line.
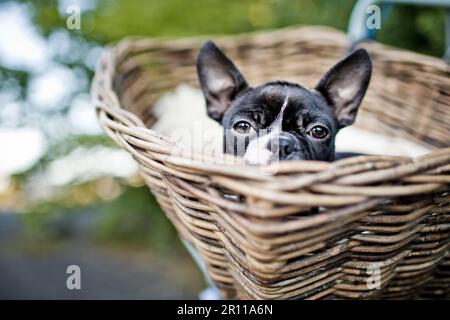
280,120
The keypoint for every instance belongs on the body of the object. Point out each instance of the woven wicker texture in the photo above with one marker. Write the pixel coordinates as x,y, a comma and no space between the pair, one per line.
314,229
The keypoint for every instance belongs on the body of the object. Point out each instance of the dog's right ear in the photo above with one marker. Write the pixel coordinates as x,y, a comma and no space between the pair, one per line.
345,85
219,78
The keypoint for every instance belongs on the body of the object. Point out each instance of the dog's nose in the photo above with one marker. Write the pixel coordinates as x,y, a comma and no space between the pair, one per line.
281,147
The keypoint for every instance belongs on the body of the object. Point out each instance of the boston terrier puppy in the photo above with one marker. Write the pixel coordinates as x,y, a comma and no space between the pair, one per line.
280,120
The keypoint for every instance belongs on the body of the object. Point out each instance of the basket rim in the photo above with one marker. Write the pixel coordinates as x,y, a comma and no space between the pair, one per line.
115,119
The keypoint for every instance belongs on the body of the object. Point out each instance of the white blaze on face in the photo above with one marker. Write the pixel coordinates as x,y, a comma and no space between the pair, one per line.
276,125
258,151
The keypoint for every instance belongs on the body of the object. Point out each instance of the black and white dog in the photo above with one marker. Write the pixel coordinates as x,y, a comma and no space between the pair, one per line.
280,120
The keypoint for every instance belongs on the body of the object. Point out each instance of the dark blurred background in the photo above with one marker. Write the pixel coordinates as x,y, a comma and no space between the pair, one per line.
68,195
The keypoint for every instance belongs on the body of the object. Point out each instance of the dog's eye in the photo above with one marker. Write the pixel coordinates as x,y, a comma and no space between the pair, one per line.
318,132
242,127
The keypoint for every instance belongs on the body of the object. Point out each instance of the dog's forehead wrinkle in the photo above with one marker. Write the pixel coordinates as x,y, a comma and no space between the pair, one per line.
307,116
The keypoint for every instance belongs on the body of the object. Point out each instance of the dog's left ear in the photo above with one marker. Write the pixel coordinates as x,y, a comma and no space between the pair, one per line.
219,78
345,84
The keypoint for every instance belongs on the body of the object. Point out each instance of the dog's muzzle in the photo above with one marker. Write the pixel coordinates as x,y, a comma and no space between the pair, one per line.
273,147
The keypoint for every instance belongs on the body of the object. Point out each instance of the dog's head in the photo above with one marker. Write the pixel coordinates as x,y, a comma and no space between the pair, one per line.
281,120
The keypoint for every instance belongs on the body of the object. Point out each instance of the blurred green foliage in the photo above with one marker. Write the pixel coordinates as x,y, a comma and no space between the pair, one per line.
133,218
416,28
136,218
176,18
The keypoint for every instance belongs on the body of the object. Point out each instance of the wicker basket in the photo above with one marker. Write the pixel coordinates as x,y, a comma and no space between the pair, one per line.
314,229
